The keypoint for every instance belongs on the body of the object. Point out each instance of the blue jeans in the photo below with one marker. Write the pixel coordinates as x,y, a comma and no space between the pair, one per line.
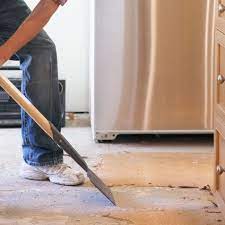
39,84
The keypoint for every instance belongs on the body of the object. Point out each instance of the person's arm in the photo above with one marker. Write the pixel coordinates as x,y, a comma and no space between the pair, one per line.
29,28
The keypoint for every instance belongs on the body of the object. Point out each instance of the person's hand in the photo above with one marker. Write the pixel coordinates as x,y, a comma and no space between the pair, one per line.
4,55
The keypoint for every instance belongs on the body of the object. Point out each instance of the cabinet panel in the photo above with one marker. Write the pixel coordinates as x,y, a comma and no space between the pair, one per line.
220,71
220,164
219,109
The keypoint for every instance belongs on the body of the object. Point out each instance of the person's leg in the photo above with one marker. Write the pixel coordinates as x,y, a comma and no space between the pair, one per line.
40,85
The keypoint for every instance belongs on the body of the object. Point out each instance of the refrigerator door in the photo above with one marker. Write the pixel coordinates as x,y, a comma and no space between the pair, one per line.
152,66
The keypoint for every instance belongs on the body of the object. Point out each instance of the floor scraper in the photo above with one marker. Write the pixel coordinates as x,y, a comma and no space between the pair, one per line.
54,134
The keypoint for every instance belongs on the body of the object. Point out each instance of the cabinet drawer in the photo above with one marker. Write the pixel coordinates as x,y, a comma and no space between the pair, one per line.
220,15
220,71
220,164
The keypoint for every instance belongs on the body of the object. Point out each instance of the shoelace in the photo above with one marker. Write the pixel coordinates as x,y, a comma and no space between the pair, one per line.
63,167
57,169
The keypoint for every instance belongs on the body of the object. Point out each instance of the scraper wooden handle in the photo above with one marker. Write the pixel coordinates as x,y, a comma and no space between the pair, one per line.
21,100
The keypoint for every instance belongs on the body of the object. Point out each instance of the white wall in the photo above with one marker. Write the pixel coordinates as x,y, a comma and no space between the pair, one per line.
69,29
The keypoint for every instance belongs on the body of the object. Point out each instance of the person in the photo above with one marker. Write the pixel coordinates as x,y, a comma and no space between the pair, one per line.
22,38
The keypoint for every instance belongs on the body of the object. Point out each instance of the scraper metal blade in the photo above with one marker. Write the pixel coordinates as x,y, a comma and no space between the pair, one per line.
68,148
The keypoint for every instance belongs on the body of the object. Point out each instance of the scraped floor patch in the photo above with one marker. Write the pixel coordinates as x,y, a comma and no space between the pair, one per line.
157,169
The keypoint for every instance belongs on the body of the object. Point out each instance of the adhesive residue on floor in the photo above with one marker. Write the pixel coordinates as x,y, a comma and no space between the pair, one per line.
157,169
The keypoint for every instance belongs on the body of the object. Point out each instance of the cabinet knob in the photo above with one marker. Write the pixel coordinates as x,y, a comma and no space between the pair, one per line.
220,79
220,170
221,8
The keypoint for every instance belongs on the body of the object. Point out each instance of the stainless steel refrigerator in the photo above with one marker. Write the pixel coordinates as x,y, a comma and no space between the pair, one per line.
151,67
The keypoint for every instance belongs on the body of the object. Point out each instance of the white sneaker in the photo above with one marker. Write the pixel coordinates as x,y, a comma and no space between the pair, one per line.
58,174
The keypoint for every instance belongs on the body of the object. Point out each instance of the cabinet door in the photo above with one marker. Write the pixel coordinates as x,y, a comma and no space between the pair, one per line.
220,165
220,15
220,119
220,75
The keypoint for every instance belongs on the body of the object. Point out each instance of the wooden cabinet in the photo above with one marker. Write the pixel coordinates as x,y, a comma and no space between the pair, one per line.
219,107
